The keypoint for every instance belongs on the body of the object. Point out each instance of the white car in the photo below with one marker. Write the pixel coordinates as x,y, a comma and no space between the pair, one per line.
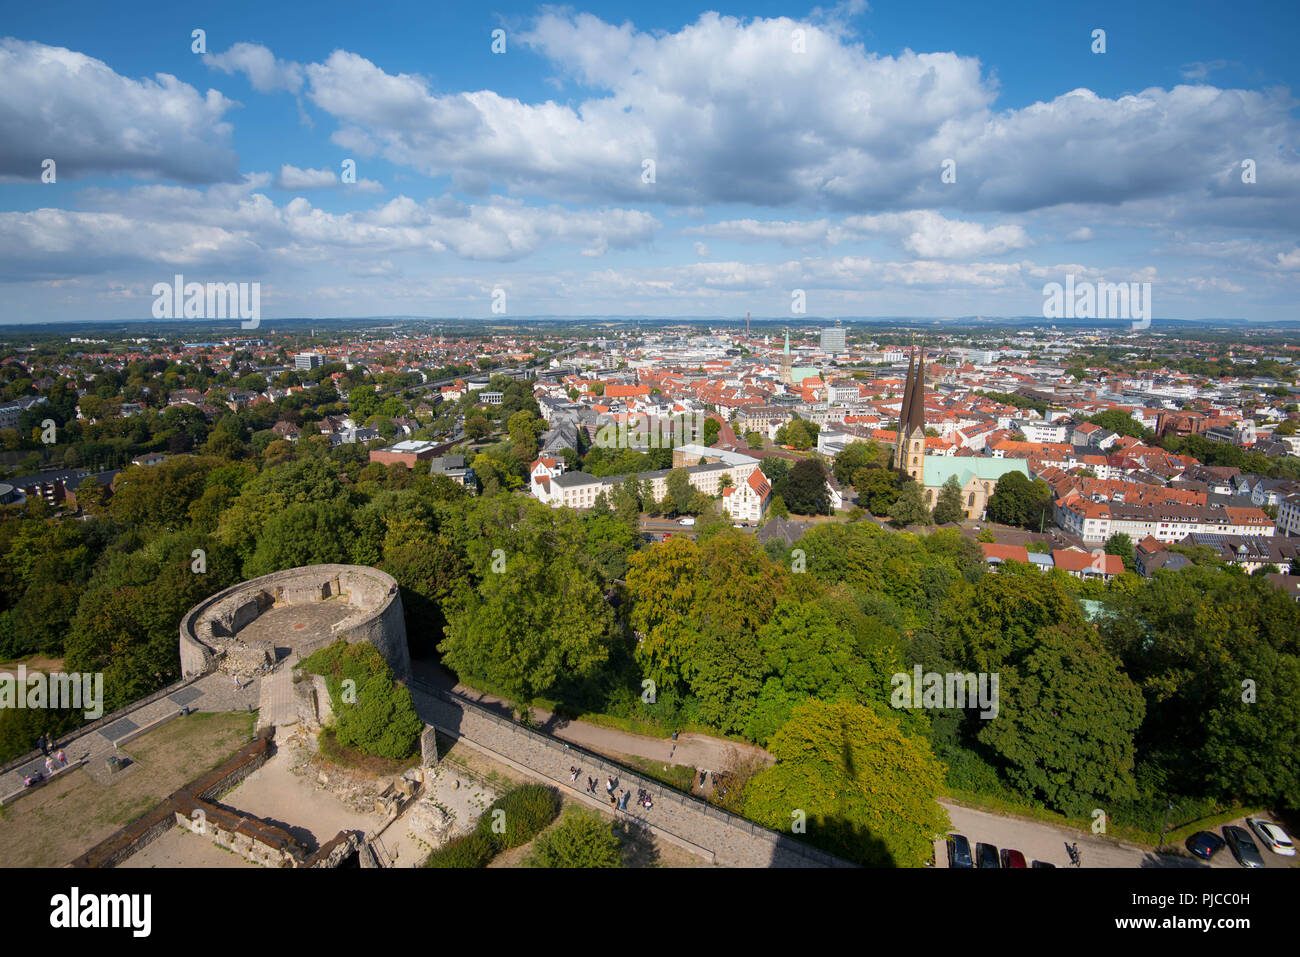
1273,837
686,521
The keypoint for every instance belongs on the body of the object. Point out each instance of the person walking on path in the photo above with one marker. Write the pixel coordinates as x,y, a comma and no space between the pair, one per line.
62,758
609,785
43,743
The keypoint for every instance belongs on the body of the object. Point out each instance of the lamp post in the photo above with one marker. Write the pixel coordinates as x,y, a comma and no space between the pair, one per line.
1165,826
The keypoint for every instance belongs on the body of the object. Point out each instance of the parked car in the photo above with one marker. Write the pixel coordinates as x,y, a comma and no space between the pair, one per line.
986,855
1012,859
1272,836
1242,847
959,853
1205,844
1043,864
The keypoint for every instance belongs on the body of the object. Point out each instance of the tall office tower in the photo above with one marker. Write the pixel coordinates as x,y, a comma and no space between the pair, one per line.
833,340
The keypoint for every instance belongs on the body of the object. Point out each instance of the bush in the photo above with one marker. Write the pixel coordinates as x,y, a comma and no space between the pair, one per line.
527,810
468,850
582,839
380,719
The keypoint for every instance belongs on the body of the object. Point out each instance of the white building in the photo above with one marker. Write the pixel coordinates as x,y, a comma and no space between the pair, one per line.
580,490
1040,430
747,502
1288,515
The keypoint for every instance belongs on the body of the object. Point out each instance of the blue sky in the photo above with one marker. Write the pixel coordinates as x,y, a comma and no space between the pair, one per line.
794,147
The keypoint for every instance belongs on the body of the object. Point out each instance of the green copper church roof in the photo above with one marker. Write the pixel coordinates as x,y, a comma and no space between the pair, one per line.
966,467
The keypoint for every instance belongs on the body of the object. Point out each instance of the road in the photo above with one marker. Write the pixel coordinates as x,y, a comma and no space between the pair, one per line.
659,527
1046,842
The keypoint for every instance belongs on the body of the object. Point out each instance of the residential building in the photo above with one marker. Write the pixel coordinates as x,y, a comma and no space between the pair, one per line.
454,467
747,502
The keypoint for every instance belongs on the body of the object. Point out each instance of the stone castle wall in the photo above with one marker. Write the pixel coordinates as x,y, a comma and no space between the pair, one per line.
209,632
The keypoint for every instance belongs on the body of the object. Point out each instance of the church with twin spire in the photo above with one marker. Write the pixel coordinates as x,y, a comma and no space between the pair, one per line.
909,450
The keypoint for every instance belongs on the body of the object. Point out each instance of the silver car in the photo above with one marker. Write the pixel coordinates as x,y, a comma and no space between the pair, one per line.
1242,847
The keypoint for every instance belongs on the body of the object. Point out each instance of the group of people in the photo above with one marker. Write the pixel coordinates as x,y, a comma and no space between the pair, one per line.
52,761
618,797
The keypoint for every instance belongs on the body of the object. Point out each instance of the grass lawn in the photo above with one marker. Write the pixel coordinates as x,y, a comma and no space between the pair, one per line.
674,775
74,812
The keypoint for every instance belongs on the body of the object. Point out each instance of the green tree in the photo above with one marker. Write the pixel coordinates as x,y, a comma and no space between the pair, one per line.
1252,746
855,457
1121,545
537,613
774,468
1121,423
581,839
804,490
373,713
878,489
1198,642
948,508
909,508
993,624
680,492
363,402
1066,722
305,533
869,791
1018,501
795,434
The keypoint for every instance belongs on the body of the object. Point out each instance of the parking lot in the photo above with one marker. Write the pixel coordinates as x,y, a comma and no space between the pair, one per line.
1046,842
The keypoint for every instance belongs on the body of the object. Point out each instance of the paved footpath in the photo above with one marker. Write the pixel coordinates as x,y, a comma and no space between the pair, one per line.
699,751
277,704
213,692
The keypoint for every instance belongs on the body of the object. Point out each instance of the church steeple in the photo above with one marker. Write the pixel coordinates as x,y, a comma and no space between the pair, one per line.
909,452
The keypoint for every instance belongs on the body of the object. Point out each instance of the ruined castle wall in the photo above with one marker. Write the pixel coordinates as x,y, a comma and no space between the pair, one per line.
209,632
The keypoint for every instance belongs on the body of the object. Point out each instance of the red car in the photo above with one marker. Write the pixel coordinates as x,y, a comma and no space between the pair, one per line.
1012,858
